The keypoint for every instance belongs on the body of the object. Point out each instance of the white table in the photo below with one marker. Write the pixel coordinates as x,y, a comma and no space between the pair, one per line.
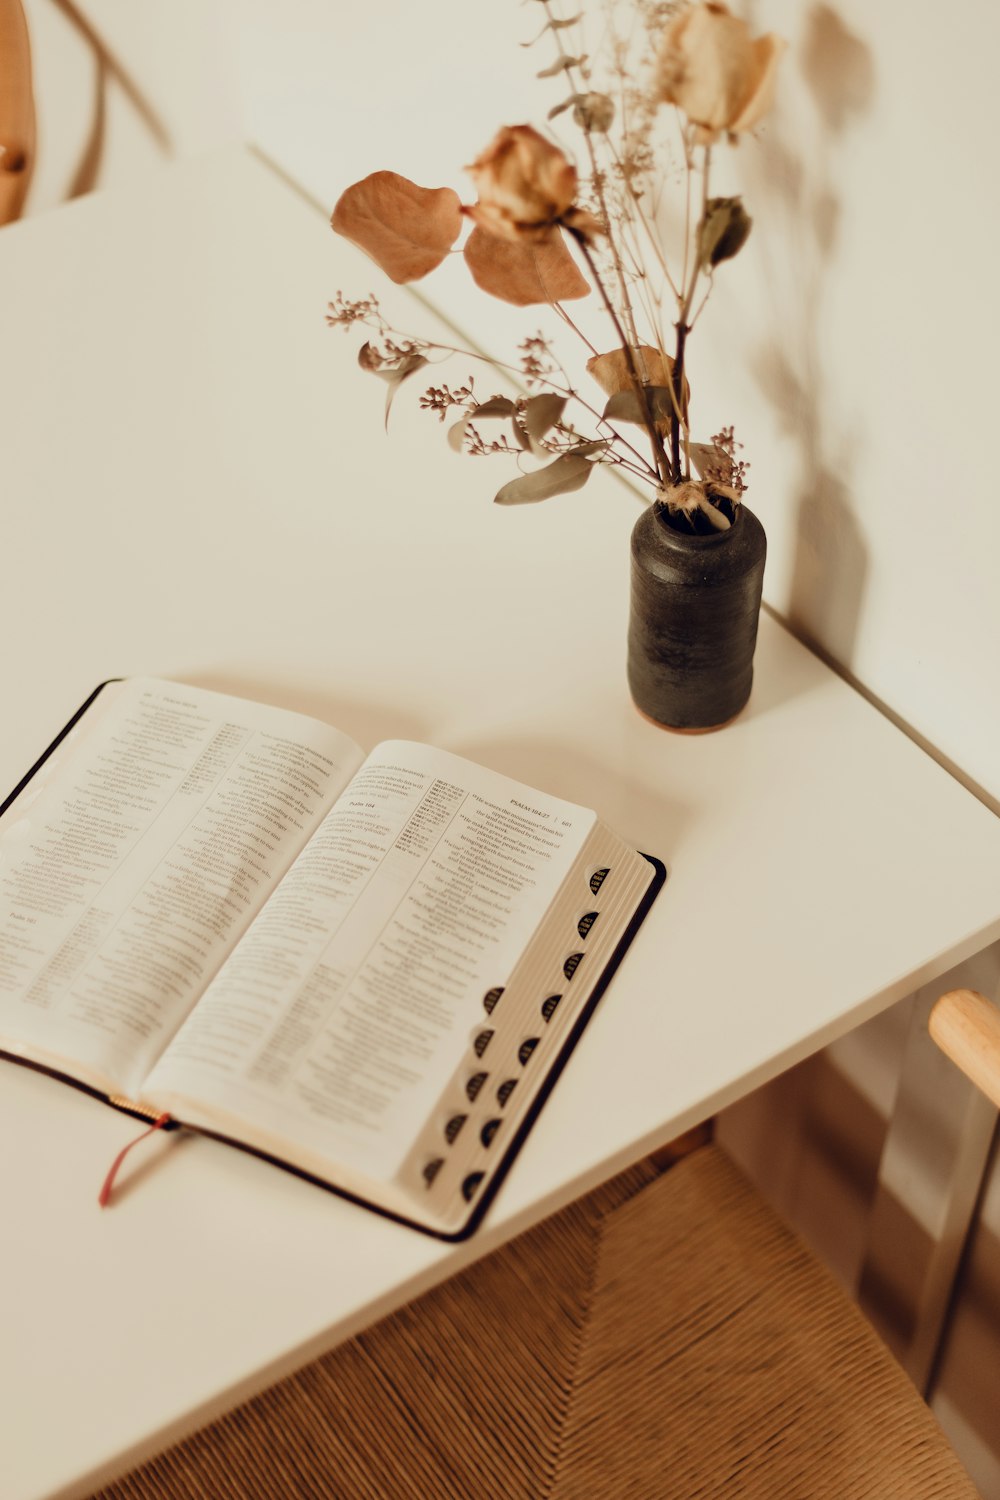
196,484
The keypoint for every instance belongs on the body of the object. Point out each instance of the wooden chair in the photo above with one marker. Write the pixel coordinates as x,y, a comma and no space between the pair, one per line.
17,111
967,1027
665,1338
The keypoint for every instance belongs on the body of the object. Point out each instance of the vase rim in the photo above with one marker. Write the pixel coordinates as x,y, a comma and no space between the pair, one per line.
693,538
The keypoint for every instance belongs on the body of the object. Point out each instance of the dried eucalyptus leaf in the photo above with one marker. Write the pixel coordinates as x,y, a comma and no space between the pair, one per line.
369,360
456,434
554,25
625,406
395,378
520,436
561,65
558,109
587,450
542,413
570,471
496,406
710,458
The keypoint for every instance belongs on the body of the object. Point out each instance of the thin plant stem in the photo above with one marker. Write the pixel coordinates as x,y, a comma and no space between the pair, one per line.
688,173
597,178
642,467
701,305
678,415
647,469
640,214
558,308
642,395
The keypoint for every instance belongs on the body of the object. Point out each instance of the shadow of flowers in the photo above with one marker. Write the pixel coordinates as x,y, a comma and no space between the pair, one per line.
830,564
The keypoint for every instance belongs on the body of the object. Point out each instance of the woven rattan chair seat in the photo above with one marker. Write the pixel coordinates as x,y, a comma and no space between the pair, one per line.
665,1338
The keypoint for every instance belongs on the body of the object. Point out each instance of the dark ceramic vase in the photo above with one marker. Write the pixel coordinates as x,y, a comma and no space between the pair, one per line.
693,623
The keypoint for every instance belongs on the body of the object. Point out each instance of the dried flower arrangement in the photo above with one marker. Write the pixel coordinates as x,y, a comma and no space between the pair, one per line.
533,204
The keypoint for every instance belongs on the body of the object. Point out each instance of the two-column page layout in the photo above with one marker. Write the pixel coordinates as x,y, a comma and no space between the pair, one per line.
367,968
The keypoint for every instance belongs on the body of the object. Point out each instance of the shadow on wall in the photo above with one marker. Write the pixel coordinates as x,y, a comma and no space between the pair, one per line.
830,564
107,70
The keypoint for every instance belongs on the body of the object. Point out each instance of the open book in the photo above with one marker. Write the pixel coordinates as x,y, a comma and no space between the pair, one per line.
367,968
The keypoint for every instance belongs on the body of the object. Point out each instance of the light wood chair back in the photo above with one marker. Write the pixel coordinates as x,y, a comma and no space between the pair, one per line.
966,1026
17,111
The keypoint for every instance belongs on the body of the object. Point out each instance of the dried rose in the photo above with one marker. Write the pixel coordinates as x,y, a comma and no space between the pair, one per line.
525,185
710,66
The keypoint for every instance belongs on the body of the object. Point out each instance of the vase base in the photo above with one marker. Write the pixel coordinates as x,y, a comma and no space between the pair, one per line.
677,729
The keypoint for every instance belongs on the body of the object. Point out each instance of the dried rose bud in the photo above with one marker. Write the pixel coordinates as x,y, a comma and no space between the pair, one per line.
525,185
712,69
723,231
593,111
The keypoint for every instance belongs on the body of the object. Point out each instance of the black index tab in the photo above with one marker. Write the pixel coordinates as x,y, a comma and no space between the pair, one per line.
474,1084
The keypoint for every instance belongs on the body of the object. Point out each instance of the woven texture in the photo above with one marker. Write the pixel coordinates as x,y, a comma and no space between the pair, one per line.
666,1338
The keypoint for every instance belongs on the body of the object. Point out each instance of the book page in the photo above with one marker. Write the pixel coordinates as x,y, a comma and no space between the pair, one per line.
127,878
340,1018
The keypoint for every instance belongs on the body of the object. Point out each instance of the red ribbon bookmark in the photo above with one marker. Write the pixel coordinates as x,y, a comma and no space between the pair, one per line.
104,1196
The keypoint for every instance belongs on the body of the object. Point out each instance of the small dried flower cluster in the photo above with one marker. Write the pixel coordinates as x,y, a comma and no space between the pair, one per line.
538,364
543,232
441,398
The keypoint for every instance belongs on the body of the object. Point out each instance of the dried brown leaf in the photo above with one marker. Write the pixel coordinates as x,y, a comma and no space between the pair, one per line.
562,65
570,471
456,433
710,458
369,359
611,370
554,25
496,406
541,413
625,406
406,229
588,449
524,272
